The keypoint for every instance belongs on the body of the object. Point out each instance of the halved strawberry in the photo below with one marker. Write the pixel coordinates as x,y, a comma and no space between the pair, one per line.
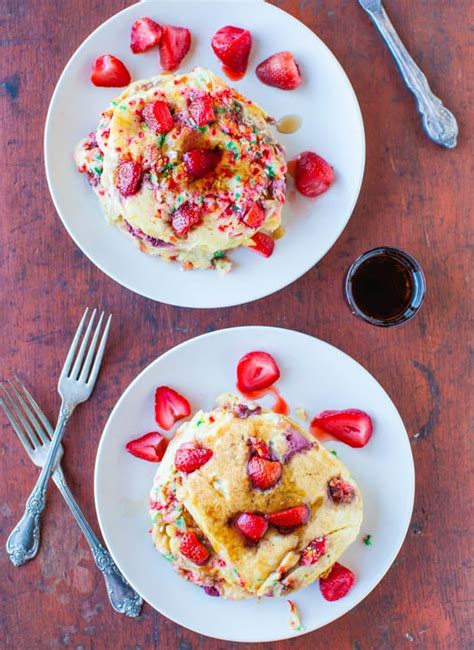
201,110
263,474
290,517
192,548
232,46
255,371
340,491
128,177
145,33
264,244
109,72
280,70
200,162
170,407
313,175
251,525
189,458
314,551
157,116
185,217
352,426
338,583
255,216
150,447
174,45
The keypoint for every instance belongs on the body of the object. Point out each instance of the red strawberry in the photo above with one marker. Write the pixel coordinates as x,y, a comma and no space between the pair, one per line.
174,45
340,491
314,551
352,426
189,458
145,34
280,70
255,371
259,448
232,46
251,525
170,406
200,162
202,111
338,583
263,473
128,178
150,447
255,216
157,116
110,72
264,244
313,175
192,548
185,217
290,518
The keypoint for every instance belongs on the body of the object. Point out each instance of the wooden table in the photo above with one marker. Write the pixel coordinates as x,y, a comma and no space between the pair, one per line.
415,195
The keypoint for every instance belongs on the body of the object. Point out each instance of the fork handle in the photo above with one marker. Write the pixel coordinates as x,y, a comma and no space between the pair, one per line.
121,595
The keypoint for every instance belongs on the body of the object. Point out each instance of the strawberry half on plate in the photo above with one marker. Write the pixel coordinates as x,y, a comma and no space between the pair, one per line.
256,371
232,46
170,407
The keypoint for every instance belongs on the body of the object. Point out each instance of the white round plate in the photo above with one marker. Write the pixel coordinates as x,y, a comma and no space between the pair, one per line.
332,126
314,375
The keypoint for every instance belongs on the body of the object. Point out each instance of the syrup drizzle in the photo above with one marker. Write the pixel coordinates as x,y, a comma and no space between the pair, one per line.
280,406
289,124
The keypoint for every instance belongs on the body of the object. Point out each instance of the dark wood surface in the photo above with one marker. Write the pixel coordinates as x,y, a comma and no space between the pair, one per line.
415,195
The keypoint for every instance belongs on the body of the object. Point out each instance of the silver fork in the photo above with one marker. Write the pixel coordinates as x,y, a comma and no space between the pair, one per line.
35,433
76,384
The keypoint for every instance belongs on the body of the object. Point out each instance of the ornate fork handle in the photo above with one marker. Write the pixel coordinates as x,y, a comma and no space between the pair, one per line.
438,122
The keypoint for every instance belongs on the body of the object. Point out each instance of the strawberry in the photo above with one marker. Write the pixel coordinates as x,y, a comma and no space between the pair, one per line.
189,458
352,426
255,371
170,406
174,45
338,583
202,111
255,216
314,551
251,525
259,448
192,549
150,447
145,34
264,474
110,72
340,491
128,177
232,46
313,175
264,244
157,116
290,518
200,162
280,70
185,217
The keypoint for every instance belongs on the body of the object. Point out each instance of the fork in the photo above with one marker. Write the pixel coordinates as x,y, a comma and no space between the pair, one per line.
35,433
76,384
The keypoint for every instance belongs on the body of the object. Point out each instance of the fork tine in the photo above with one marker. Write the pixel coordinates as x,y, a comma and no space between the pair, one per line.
90,355
33,420
28,431
48,429
100,353
16,427
74,374
72,349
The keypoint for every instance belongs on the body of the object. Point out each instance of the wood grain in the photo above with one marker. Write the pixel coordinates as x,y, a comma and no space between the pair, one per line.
415,195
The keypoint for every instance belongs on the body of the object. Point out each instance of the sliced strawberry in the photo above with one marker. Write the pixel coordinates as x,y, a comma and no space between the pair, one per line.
338,583
264,244
255,216
145,34
150,447
264,474
352,426
174,45
280,70
232,46
128,178
255,371
110,72
290,518
251,525
170,407
200,162
340,491
157,116
190,458
314,551
185,217
201,110
313,175
192,548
